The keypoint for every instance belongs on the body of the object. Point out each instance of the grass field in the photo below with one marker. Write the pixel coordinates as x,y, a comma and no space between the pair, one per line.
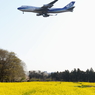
47,88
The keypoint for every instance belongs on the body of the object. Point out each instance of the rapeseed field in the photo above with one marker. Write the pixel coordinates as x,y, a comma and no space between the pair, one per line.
47,88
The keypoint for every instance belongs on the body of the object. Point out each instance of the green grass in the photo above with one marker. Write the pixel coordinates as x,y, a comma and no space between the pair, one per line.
84,86
30,92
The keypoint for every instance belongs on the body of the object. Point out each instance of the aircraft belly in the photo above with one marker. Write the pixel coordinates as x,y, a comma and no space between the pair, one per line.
29,10
56,11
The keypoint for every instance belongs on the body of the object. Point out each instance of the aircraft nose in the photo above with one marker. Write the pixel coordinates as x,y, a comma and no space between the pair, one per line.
18,8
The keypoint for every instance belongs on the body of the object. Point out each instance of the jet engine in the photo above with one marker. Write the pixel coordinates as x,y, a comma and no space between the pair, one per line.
38,14
46,15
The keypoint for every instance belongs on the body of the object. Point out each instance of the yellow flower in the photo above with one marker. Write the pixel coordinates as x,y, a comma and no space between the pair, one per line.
47,88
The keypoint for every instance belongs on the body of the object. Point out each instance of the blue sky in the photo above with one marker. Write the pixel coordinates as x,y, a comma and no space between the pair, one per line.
57,43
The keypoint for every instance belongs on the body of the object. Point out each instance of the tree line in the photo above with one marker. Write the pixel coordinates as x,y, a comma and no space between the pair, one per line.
75,75
12,69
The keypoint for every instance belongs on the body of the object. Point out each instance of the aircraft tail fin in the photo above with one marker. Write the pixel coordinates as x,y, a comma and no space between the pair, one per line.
70,5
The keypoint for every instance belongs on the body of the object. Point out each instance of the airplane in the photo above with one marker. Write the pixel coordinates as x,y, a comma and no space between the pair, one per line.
46,9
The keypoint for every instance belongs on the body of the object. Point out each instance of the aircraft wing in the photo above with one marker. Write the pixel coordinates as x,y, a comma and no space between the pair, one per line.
49,5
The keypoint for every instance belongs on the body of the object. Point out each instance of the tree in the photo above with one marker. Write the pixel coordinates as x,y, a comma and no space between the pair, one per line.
37,75
11,67
91,75
66,75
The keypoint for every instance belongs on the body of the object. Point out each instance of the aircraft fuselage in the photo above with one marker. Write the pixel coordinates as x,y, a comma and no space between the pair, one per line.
36,9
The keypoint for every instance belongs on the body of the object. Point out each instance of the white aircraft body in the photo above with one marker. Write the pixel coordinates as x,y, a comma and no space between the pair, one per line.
46,9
